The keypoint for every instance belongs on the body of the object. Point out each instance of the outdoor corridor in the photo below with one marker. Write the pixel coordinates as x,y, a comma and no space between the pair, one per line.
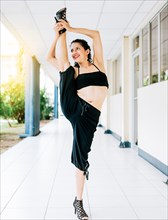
37,179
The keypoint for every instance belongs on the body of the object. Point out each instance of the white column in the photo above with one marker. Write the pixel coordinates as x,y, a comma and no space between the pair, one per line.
125,72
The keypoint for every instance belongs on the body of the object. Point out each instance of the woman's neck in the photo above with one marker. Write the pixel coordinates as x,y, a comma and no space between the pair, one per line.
85,65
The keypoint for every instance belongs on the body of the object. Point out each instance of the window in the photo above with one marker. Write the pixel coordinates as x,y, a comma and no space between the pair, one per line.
154,51
164,44
136,76
136,43
145,57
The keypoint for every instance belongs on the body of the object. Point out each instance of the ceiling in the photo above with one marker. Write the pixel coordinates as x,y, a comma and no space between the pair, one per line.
32,22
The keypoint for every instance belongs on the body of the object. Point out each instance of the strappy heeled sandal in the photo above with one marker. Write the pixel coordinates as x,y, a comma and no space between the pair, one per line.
61,14
81,214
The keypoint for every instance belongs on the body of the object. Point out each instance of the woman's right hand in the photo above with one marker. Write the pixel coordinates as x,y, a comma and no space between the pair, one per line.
57,27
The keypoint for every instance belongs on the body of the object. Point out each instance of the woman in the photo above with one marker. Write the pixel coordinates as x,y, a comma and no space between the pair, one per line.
83,89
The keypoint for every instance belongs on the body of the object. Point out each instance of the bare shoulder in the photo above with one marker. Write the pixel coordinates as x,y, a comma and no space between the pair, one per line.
64,67
70,68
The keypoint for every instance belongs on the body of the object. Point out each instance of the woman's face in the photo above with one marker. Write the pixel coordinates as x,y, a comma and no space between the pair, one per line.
78,53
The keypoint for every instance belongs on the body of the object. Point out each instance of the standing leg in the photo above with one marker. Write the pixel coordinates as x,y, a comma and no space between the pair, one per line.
78,203
80,181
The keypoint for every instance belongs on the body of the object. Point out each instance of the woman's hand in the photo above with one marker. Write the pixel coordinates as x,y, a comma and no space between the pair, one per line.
64,24
57,27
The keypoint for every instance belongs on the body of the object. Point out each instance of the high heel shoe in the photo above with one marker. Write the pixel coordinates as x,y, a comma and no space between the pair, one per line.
81,214
61,14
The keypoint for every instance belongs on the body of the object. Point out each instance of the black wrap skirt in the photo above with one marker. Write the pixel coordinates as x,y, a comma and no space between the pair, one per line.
83,117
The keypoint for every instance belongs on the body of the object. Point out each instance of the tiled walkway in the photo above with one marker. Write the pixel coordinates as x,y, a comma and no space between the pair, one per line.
38,180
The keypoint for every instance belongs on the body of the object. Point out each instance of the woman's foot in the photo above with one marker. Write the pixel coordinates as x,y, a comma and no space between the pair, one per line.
81,214
61,14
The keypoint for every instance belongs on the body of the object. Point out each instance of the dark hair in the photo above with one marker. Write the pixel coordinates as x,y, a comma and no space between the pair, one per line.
86,46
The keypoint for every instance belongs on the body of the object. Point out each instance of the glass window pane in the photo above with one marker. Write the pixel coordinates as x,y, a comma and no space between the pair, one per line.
136,75
154,50
136,43
145,60
164,44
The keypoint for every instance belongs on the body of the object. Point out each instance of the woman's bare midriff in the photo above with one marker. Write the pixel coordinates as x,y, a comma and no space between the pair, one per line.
94,95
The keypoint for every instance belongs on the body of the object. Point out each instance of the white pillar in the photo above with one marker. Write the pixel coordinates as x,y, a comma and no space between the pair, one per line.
125,72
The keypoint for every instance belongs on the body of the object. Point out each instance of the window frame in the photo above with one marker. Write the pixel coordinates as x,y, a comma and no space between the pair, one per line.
158,16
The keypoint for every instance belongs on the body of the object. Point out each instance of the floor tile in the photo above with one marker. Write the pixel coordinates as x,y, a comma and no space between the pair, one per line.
154,213
141,191
31,213
113,213
108,201
61,213
148,201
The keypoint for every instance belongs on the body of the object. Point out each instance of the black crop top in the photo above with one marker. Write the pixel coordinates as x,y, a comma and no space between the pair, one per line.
96,78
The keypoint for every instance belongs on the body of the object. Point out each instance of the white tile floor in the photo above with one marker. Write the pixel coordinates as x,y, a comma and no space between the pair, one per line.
37,180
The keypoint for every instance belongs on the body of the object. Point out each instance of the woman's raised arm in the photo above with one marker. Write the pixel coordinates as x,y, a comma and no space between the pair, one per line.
58,54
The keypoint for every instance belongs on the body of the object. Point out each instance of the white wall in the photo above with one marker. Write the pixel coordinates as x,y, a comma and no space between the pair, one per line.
116,114
153,120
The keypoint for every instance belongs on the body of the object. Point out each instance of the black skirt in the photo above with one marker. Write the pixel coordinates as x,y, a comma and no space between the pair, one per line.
83,117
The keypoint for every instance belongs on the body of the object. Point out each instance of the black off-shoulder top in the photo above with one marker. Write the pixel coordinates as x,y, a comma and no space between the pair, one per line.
96,78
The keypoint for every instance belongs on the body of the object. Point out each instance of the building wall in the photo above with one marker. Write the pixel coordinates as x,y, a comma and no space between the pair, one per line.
153,120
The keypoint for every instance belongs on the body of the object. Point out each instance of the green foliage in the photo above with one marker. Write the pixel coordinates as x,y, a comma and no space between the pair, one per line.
163,75
146,81
46,109
12,101
12,94
5,108
154,78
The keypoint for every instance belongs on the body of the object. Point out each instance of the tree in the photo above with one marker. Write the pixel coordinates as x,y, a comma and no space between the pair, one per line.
12,93
5,108
46,109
